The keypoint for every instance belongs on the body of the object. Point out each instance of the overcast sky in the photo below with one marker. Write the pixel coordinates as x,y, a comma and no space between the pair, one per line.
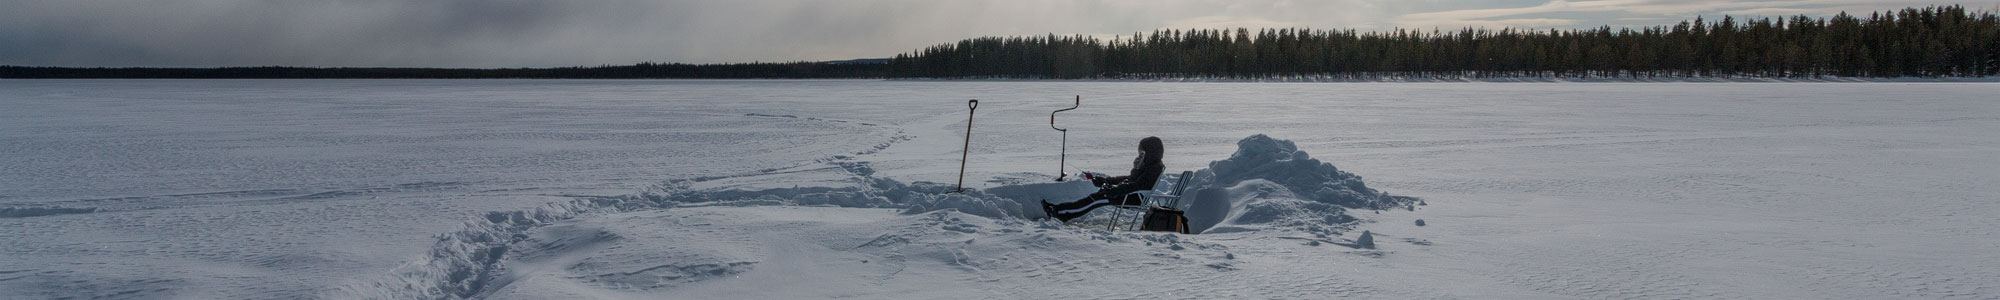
544,33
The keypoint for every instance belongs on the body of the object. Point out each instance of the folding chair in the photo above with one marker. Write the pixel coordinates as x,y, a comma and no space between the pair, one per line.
1158,196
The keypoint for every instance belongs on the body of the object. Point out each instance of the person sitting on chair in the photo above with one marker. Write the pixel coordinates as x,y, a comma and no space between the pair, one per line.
1145,171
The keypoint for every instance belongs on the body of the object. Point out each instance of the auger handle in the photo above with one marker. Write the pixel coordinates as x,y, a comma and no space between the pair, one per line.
1060,160
1052,115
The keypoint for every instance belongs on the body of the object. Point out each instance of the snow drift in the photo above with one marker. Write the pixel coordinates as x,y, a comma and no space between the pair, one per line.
1267,184
1282,163
1270,182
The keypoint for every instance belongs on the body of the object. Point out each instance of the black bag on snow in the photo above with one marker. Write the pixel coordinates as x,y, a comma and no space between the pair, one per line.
1161,218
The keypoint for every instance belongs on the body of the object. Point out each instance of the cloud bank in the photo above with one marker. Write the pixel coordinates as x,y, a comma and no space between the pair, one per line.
544,33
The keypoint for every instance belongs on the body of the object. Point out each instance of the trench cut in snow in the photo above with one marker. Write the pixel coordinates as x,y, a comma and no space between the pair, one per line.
1267,184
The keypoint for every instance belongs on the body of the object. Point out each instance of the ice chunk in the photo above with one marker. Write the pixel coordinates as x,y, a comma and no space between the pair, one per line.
1366,241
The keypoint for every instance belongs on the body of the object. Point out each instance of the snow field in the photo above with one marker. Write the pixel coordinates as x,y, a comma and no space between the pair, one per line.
420,189
240,189
481,260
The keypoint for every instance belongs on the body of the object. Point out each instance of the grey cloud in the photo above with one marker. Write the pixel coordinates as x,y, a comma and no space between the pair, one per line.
541,33
507,33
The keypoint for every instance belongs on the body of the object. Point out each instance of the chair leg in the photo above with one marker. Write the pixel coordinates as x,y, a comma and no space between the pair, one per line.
1126,224
1114,219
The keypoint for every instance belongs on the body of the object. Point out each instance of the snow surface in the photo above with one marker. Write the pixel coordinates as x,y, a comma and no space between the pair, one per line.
522,189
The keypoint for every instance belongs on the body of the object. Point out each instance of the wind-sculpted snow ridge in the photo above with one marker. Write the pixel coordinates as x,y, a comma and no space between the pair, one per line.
23,212
1267,183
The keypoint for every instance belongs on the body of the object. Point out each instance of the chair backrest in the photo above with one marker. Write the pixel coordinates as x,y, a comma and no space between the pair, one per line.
1163,197
1181,186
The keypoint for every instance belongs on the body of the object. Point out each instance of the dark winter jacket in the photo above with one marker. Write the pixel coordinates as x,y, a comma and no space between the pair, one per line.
1145,171
1146,168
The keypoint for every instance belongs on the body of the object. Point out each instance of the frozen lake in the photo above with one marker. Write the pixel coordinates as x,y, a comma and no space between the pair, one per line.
247,189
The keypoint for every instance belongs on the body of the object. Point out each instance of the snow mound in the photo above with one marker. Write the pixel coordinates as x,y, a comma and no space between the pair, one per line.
1269,183
1281,162
1258,204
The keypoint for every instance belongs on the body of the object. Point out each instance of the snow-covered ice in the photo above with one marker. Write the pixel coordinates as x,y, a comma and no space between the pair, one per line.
540,189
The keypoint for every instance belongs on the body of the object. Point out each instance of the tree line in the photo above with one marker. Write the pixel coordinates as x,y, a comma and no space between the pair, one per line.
1937,41
785,70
